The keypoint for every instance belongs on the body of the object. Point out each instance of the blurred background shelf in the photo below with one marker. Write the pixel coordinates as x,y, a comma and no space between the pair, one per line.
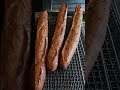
54,5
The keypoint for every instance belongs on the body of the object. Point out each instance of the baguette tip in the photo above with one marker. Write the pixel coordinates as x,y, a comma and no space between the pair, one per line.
51,69
78,7
64,65
64,6
43,12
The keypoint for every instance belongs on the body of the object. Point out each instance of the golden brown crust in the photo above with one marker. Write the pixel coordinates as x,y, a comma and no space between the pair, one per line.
40,50
72,39
52,57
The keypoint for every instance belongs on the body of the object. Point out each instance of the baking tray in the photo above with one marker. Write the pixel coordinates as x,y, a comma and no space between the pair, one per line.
105,74
73,77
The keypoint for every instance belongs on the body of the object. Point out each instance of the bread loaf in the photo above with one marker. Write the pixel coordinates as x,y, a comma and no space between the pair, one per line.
72,41
15,44
57,40
40,50
97,14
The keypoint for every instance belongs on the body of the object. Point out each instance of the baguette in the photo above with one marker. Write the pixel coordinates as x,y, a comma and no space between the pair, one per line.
72,39
97,16
57,40
40,50
15,44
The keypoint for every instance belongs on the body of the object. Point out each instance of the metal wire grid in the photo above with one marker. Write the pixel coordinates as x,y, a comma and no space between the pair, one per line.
72,78
106,72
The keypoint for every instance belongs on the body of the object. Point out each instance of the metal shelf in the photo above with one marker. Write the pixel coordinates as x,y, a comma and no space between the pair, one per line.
72,78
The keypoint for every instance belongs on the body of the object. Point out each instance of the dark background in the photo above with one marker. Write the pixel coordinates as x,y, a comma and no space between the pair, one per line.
37,5
1,13
118,4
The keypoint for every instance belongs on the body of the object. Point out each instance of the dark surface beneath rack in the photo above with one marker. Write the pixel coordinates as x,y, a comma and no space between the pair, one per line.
72,78
105,74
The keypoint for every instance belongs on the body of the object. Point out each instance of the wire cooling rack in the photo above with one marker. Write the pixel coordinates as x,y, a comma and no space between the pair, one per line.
73,77
105,74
